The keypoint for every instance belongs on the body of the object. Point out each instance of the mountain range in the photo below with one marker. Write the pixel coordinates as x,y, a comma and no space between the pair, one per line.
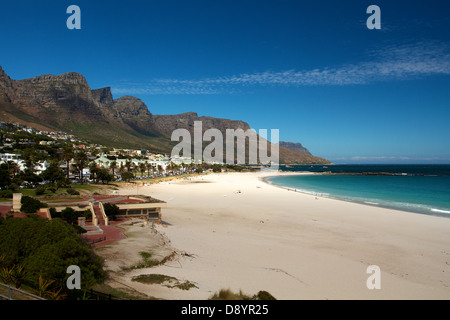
67,103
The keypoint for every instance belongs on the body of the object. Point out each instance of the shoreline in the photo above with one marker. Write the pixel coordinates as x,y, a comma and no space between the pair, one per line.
291,245
437,212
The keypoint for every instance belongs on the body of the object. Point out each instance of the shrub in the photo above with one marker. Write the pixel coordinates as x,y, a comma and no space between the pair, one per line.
6,194
127,176
69,214
111,209
63,183
54,213
52,188
40,190
72,192
78,229
263,295
87,214
227,294
46,248
31,205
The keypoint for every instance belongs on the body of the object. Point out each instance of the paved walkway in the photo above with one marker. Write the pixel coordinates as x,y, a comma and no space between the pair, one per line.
111,234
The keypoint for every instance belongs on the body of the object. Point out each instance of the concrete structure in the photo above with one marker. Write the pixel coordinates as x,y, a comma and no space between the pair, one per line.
128,207
17,202
144,209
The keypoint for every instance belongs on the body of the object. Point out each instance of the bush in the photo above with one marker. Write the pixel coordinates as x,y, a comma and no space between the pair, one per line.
111,209
40,190
87,214
6,194
72,192
69,214
263,295
63,183
78,229
54,214
46,248
52,188
31,205
227,294
126,176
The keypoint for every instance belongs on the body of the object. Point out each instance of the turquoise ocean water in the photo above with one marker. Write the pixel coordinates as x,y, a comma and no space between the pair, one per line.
416,188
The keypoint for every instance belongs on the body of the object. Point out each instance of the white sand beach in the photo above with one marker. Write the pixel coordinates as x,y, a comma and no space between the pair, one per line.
291,244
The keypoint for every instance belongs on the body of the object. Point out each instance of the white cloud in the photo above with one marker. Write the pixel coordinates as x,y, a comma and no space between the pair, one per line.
398,62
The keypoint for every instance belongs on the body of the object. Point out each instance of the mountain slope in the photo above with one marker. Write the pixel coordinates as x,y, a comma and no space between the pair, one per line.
66,102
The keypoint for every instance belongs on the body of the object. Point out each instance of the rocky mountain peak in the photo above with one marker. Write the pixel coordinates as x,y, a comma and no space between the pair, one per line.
5,80
66,78
103,95
131,106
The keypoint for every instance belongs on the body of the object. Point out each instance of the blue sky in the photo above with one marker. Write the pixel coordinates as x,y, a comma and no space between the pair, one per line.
311,69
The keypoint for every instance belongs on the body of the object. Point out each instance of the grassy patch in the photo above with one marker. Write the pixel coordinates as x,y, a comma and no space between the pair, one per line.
145,255
227,294
146,262
89,187
167,281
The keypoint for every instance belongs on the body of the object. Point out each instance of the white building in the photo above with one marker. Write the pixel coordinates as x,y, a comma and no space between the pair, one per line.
5,157
16,158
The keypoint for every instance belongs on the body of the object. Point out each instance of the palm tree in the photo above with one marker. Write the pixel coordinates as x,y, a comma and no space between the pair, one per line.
128,165
148,166
67,155
92,169
81,160
142,167
113,166
121,168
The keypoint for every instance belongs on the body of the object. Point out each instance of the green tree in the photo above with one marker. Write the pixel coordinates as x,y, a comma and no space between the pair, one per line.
113,166
142,168
5,179
128,165
47,248
29,176
104,176
31,205
13,168
69,214
53,173
67,156
127,176
111,209
81,160
148,167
